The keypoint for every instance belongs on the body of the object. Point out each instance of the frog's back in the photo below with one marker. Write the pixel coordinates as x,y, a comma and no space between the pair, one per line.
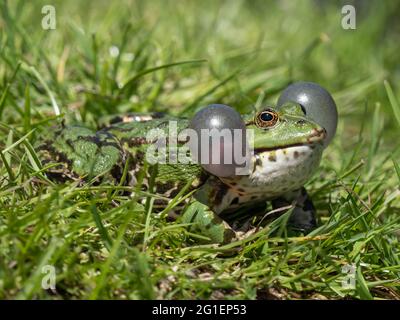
136,137
79,153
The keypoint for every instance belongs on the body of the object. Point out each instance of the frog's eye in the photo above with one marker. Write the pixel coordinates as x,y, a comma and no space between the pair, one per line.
266,118
316,102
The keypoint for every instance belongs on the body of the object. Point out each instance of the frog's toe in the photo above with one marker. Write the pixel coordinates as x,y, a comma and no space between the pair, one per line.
303,218
303,222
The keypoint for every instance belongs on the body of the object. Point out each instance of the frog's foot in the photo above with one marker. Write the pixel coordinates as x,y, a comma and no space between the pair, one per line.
303,215
208,223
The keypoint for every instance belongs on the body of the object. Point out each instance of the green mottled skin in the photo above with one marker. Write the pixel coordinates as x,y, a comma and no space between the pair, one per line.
286,155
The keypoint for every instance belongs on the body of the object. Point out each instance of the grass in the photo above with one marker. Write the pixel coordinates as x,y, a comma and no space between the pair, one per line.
108,58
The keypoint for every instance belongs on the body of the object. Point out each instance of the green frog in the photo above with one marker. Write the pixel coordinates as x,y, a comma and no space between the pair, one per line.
287,150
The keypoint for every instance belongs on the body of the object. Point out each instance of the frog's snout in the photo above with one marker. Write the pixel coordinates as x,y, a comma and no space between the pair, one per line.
317,135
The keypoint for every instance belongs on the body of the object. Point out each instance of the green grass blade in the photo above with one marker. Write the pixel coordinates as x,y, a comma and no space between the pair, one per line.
209,91
11,176
393,101
100,226
362,286
136,77
53,101
7,88
27,110
16,143
110,259
397,168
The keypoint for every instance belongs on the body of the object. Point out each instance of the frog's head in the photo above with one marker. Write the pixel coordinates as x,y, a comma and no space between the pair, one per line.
280,129
287,146
287,140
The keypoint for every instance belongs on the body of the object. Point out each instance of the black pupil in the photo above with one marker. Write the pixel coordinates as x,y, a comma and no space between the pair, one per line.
266,116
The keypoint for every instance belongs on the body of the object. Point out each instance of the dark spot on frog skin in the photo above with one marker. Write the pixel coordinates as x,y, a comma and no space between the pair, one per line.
47,146
133,142
158,115
221,192
116,173
272,157
62,172
257,163
175,191
100,140
301,122
117,120
61,176
165,187
70,144
235,201
160,202
296,154
138,158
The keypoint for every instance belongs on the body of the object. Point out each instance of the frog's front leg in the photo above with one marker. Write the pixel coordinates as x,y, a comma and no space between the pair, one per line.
208,223
303,217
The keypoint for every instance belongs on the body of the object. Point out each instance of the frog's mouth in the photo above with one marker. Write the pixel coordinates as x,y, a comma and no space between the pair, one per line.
316,137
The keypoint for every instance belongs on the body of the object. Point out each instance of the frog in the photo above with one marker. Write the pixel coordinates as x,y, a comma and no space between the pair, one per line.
287,151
